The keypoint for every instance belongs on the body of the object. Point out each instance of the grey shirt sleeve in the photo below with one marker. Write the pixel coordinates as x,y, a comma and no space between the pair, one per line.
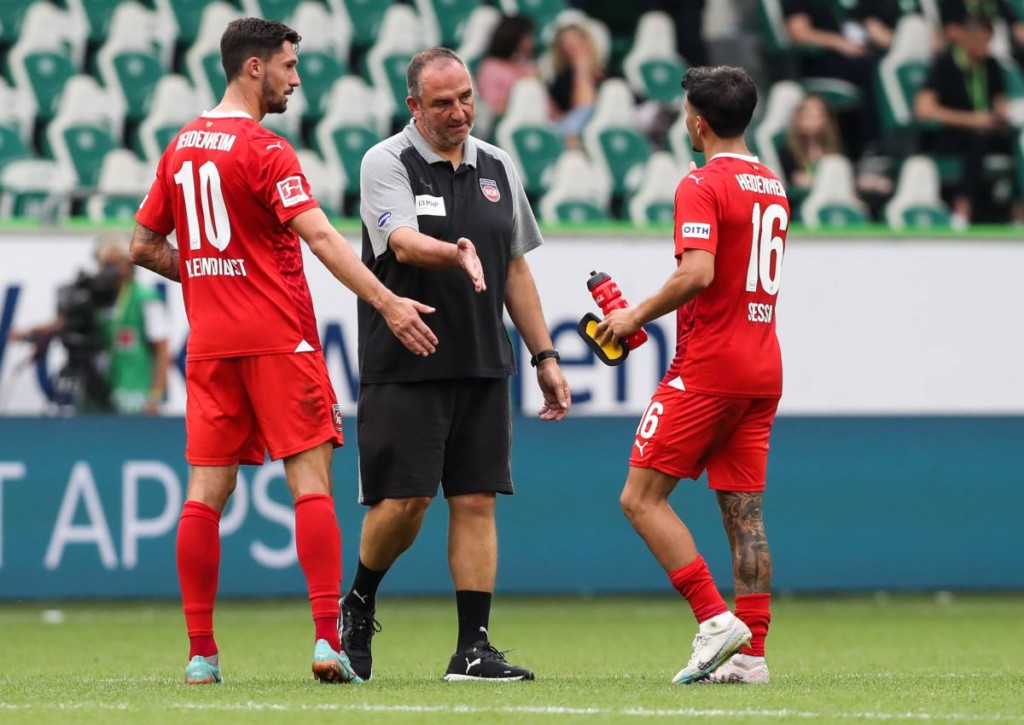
386,200
525,232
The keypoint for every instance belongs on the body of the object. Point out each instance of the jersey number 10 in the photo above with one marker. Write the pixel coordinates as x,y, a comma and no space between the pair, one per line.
764,243
216,223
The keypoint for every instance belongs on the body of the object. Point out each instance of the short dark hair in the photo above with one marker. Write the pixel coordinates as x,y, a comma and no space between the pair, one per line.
724,95
414,74
507,36
249,37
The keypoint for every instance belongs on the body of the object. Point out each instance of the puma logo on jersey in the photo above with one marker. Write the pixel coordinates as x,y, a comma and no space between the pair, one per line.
696,179
640,446
275,145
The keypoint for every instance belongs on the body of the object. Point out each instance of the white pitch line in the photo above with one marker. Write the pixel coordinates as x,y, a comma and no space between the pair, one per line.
533,710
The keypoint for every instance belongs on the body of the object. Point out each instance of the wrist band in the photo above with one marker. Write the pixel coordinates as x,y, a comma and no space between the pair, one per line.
544,355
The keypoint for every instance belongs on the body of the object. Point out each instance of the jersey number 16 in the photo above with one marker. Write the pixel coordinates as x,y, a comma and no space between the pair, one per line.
764,244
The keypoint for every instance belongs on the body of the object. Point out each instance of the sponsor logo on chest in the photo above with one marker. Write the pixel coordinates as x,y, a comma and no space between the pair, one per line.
429,205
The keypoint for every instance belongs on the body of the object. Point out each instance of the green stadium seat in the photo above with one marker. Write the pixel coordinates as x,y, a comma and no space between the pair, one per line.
577,192
34,189
654,201
611,139
326,180
917,199
12,12
44,73
652,66
12,145
202,60
529,137
366,18
271,9
318,71
542,12
88,124
353,122
476,35
122,184
188,15
902,71
447,19
98,15
832,201
401,37
174,104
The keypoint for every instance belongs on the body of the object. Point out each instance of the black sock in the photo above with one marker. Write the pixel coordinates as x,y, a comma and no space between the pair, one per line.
363,594
474,616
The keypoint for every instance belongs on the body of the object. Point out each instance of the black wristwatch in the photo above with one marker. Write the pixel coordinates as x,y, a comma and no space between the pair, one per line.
544,355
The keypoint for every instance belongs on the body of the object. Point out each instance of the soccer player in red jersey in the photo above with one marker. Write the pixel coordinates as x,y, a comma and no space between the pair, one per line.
256,379
715,406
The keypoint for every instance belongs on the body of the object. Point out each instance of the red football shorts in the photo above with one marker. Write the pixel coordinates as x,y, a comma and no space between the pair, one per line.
683,433
241,408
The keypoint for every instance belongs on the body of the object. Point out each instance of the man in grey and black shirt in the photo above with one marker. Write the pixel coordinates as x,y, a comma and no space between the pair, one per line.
446,221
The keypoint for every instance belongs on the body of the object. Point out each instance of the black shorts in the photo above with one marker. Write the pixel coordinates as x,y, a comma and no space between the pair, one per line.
414,436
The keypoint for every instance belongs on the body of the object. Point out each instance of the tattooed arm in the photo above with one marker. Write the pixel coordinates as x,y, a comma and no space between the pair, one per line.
154,252
744,525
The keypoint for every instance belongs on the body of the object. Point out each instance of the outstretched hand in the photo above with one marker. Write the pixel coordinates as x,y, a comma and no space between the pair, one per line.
470,262
557,396
403,317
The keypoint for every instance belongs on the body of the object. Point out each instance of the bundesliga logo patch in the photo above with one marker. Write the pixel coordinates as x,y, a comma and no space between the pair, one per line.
336,416
490,189
291,192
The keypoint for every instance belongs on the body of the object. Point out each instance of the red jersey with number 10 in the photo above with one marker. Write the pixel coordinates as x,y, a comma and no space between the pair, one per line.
736,209
228,186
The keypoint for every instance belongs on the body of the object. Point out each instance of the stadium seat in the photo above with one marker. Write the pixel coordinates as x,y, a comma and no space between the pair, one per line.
12,12
401,36
88,124
917,201
97,14
542,12
446,20
902,71
17,110
769,134
610,137
577,192
527,134
50,49
653,67
12,145
202,60
832,201
175,103
772,22
122,184
477,34
187,15
322,56
35,189
654,201
326,180
352,123
271,10
363,16
131,61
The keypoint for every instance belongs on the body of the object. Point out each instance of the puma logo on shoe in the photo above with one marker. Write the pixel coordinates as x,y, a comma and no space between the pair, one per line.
471,665
359,596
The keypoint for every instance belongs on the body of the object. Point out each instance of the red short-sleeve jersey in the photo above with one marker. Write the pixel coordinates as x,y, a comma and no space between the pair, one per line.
227,186
736,209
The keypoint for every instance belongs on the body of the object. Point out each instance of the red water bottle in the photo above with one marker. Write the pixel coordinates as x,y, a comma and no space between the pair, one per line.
608,297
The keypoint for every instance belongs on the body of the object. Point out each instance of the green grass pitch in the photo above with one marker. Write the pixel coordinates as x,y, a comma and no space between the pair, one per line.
891,659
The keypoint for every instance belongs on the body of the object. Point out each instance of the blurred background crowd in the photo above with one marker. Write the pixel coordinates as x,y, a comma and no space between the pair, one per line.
903,112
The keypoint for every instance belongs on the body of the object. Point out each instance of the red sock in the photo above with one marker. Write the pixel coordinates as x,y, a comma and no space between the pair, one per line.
318,542
694,582
756,612
198,555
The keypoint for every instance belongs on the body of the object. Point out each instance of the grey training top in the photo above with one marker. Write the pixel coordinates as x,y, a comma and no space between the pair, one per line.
404,183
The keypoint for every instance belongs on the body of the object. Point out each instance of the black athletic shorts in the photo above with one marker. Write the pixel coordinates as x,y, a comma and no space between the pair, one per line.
414,436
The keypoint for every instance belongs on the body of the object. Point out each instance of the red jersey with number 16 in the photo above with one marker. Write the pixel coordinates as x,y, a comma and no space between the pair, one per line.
228,186
736,209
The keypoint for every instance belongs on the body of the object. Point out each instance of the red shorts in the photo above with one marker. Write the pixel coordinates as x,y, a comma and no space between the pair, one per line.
241,408
682,433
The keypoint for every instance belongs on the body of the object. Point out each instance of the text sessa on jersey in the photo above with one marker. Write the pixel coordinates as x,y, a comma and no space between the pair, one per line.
736,209
228,186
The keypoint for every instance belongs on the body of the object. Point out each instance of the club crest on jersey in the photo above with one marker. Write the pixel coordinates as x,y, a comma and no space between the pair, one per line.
693,230
490,189
291,192
336,416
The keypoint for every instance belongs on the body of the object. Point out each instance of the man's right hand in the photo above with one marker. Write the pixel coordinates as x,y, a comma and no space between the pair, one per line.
403,317
470,262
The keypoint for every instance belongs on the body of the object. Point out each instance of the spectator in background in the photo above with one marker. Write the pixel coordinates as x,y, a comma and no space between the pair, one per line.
879,18
965,96
578,71
955,13
835,46
511,55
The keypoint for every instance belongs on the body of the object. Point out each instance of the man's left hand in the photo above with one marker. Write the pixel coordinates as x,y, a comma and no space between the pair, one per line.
557,396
